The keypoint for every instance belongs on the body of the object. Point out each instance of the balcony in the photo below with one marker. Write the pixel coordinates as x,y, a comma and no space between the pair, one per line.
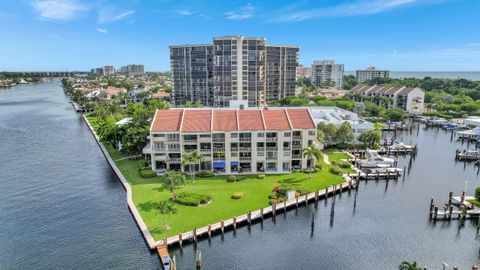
218,149
245,158
234,149
297,147
205,151
188,150
245,149
271,139
190,141
271,158
173,139
218,139
297,156
174,160
159,149
288,148
218,158
297,137
260,149
272,148
174,150
245,139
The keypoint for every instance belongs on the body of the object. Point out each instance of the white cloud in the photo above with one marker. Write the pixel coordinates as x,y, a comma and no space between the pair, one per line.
107,15
243,13
58,10
185,12
356,8
102,30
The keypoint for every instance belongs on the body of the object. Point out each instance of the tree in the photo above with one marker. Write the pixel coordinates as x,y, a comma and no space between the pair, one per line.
477,193
345,133
409,266
329,131
311,153
349,82
371,138
166,208
192,158
395,114
173,181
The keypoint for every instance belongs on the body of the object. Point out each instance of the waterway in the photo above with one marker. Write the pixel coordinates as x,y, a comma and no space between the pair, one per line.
62,207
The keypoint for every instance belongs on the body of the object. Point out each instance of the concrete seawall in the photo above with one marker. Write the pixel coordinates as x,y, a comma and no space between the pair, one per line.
152,244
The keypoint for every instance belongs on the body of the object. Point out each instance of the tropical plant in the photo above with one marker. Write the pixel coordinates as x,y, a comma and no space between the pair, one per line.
173,181
409,266
311,153
192,159
370,138
166,208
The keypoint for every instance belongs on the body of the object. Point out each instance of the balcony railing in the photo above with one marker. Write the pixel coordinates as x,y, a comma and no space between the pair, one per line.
218,139
190,141
218,159
271,139
188,150
260,149
297,147
288,148
174,160
173,139
219,149
297,137
271,158
245,149
245,139
205,150
272,148
297,156
234,149
245,158
159,149
175,150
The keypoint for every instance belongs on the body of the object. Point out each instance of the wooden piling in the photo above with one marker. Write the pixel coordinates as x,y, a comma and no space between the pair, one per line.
209,230
195,234
249,218
274,209
180,239
261,213
235,223
296,202
435,212
222,226
306,200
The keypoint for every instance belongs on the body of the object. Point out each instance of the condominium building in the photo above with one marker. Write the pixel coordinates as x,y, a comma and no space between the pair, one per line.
104,71
371,73
326,72
232,141
233,68
407,98
133,69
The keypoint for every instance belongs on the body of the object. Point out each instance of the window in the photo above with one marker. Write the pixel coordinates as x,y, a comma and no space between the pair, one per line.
260,154
205,136
159,135
286,153
287,134
233,135
260,135
311,133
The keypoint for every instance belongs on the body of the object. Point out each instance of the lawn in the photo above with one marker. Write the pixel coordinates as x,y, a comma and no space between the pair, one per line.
335,155
146,192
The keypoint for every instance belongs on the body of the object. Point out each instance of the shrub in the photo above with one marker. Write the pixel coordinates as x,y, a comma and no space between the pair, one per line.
302,191
232,178
192,199
314,170
237,195
477,193
343,164
204,174
273,196
281,199
272,201
147,173
335,170
260,176
318,166
282,191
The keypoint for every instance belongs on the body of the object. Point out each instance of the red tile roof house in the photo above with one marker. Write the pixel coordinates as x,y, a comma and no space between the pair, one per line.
111,92
232,141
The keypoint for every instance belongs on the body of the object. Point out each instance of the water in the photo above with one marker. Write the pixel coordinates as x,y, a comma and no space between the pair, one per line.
470,75
61,207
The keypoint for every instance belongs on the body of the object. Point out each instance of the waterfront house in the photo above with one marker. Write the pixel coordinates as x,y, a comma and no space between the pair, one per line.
110,92
232,140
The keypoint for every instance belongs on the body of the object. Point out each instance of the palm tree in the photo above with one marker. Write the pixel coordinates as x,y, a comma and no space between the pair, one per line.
311,153
197,159
409,266
166,208
188,160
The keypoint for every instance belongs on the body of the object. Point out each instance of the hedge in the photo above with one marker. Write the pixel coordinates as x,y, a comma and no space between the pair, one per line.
147,173
237,195
204,174
191,199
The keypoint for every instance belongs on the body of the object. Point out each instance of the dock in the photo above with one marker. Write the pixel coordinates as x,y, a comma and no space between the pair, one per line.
467,155
463,210
388,151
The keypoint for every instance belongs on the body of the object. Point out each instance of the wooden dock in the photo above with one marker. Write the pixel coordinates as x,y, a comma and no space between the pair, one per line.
387,151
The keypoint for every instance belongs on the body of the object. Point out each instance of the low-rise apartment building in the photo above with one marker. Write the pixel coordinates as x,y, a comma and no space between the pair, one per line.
407,98
232,141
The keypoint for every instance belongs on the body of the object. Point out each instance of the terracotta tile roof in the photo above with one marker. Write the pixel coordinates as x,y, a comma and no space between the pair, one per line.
300,118
224,120
197,121
250,120
167,120
276,120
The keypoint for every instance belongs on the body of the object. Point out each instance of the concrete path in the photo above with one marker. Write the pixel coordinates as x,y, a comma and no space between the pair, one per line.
325,159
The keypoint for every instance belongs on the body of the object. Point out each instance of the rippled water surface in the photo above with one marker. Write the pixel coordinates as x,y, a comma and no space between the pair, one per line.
62,207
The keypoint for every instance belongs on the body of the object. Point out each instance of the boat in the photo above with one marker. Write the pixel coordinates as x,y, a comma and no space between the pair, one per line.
400,146
469,134
469,155
383,170
374,160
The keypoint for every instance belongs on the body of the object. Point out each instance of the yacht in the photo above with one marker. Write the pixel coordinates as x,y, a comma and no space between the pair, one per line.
400,146
374,160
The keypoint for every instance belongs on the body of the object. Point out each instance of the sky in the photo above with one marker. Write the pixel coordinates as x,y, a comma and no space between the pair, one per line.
400,35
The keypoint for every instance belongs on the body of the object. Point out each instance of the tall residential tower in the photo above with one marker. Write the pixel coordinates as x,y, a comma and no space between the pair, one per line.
327,72
233,68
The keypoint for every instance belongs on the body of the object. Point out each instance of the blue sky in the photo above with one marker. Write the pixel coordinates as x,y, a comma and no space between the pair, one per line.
401,35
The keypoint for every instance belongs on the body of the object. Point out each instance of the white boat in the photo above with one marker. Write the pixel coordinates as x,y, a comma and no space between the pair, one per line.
400,146
374,160
383,170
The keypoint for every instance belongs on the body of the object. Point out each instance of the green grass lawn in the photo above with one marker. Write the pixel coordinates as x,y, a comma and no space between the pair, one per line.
146,192
335,155
93,121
